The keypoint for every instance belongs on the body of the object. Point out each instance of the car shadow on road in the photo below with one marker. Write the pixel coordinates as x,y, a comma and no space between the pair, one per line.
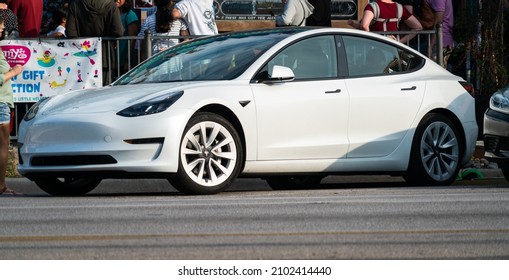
141,188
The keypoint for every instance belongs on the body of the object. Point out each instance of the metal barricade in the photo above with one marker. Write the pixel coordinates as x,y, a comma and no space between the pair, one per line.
140,47
422,41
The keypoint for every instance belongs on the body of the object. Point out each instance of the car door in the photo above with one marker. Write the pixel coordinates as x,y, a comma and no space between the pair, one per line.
386,93
305,118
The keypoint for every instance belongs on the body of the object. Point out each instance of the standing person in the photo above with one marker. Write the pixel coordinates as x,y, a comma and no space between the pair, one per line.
59,21
444,15
10,21
294,13
166,25
198,15
29,13
162,23
321,15
387,18
6,103
131,26
97,18
93,18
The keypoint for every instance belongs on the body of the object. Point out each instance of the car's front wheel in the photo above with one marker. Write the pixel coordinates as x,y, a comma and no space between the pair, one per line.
67,186
436,152
211,155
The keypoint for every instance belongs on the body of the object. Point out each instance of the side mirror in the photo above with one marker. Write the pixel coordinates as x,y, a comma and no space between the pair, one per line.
280,74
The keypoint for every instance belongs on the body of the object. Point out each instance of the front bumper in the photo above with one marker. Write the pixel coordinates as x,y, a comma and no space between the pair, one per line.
101,145
496,135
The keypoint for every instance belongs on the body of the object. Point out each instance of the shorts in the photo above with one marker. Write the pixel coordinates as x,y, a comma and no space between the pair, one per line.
5,113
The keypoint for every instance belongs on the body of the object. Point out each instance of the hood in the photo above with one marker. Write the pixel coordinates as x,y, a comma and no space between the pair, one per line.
109,98
95,7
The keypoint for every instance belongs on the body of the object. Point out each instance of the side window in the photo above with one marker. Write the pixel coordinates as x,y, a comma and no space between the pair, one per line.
312,58
367,57
410,61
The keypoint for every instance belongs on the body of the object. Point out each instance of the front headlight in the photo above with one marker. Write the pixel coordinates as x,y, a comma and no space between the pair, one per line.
152,106
32,112
499,102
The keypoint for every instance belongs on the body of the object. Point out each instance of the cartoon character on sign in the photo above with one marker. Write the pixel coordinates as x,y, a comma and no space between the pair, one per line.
85,51
46,60
55,84
79,77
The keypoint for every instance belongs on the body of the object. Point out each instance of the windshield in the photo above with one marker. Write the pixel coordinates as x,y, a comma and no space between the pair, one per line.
221,57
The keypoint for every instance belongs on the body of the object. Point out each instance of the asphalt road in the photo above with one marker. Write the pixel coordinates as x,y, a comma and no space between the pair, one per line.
364,218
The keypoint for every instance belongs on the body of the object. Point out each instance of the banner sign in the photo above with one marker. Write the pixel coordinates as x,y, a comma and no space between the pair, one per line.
263,9
51,67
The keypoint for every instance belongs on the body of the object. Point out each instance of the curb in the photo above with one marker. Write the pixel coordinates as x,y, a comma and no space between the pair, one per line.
480,167
483,173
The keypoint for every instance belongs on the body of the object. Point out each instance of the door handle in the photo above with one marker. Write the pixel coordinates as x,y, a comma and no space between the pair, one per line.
333,91
410,88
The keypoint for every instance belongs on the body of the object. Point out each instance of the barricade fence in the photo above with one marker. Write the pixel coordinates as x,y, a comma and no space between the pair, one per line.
140,48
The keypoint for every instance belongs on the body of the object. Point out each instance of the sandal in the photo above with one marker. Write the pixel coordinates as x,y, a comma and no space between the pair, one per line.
7,191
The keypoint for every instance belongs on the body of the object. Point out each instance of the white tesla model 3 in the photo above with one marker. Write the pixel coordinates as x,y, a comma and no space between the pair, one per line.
290,105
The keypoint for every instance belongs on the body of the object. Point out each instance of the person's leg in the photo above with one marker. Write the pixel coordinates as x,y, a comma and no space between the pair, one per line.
4,154
5,115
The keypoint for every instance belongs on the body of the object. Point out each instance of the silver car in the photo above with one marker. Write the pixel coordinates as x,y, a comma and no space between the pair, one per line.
496,130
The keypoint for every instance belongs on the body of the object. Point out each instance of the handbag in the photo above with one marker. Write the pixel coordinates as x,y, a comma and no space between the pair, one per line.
427,16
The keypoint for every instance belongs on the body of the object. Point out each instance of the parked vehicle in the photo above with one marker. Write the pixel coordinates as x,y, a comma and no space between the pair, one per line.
291,105
496,130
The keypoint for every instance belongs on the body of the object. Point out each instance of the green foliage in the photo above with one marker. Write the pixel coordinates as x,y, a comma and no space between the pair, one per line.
481,31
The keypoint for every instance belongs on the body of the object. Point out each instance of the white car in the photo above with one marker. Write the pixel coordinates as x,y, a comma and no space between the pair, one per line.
290,105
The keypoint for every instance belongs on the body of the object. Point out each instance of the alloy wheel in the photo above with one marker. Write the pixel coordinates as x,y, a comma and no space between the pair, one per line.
439,151
208,153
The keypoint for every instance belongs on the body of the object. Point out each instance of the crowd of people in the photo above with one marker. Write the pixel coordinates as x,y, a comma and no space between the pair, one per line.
379,15
116,18
415,15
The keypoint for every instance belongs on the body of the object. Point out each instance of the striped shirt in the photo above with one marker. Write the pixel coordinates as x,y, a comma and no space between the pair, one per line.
160,44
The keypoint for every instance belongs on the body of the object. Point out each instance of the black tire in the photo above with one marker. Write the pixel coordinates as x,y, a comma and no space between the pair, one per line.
293,182
436,152
67,186
504,166
210,166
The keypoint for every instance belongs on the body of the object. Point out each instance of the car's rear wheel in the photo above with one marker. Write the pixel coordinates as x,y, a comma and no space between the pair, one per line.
504,166
436,152
293,182
67,186
211,155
